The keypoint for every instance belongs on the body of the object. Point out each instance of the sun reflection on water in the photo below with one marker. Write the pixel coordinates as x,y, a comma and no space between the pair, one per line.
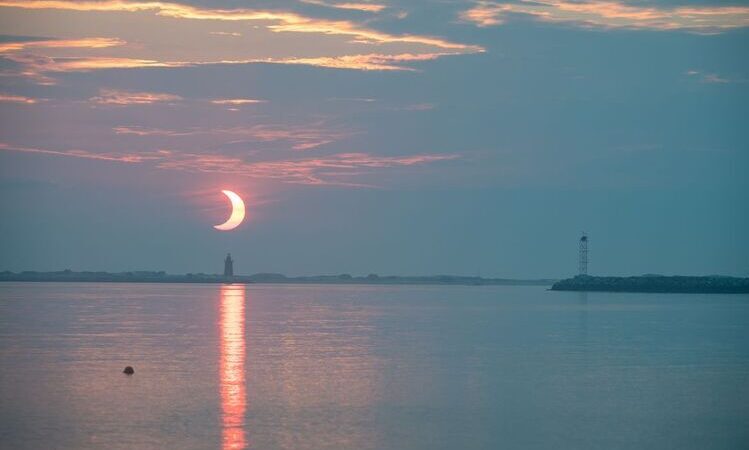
232,370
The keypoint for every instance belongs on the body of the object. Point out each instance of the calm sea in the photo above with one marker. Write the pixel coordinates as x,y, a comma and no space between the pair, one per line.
369,367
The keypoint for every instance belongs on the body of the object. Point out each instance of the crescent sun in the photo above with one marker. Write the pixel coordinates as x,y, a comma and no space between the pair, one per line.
237,212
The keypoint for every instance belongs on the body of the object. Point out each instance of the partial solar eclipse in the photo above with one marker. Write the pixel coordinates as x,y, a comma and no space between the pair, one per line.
237,212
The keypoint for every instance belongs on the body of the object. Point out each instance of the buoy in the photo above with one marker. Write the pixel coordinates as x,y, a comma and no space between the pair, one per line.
129,370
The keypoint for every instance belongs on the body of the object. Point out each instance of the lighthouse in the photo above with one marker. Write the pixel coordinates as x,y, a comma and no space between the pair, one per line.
228,266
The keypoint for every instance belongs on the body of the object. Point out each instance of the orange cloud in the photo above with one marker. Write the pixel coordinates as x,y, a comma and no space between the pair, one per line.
13,46
614,15
485,14
36,66
202,38
284,21
5,98
115,97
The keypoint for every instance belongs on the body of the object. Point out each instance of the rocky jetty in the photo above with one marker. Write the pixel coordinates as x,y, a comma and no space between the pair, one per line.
655,283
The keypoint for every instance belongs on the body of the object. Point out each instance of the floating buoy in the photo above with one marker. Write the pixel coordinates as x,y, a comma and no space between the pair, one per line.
129,370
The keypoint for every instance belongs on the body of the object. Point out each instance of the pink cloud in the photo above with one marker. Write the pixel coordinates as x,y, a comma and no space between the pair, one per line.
122,98
96,42
298,137
337,169
6,98
115,157
236,101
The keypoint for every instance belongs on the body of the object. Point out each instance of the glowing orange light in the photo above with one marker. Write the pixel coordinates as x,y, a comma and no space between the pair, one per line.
233,394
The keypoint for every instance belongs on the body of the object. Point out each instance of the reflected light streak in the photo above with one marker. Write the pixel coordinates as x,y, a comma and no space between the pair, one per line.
232,370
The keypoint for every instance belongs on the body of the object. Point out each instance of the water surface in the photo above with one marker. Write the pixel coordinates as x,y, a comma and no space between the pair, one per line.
369,367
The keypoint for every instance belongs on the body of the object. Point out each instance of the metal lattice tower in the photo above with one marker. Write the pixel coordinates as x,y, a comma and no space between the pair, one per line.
583,258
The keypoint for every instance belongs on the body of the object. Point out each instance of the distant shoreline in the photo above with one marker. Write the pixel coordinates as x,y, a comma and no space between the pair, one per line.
655,284
260,278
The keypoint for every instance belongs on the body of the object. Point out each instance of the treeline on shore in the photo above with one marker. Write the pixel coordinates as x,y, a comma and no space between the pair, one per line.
163,277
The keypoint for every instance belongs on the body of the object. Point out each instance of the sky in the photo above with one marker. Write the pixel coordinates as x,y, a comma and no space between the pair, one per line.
389,137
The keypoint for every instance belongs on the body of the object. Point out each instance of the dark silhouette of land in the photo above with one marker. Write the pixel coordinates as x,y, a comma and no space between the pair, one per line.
163,277
713,284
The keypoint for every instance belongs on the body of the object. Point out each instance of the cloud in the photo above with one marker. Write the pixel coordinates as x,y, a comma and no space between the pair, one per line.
283,21
485,14
225,33
340,169
237,101
166,34
294,137
418,107
7,98
711,78
36,67
368,62
612,15
714,78
95,42
356,6
121,98
144,131
116,157
364,7
352,99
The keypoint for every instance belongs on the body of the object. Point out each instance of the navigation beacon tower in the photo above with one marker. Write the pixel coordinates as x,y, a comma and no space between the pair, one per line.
583,257
228,266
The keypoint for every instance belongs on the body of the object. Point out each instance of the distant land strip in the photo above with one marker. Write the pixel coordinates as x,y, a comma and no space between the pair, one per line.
163,277
714,284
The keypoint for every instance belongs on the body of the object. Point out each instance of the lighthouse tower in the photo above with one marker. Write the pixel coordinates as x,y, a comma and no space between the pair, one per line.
228,266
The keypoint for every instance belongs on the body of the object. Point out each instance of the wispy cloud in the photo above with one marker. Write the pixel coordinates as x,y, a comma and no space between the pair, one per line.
7,98
95,42
225,33
342,44
418,107
122,98
36,67
285,21
338,169
341,169
144,131
295,137
115,157
237,101
356,6
368,62
352,99
714,78
711,78
612,15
